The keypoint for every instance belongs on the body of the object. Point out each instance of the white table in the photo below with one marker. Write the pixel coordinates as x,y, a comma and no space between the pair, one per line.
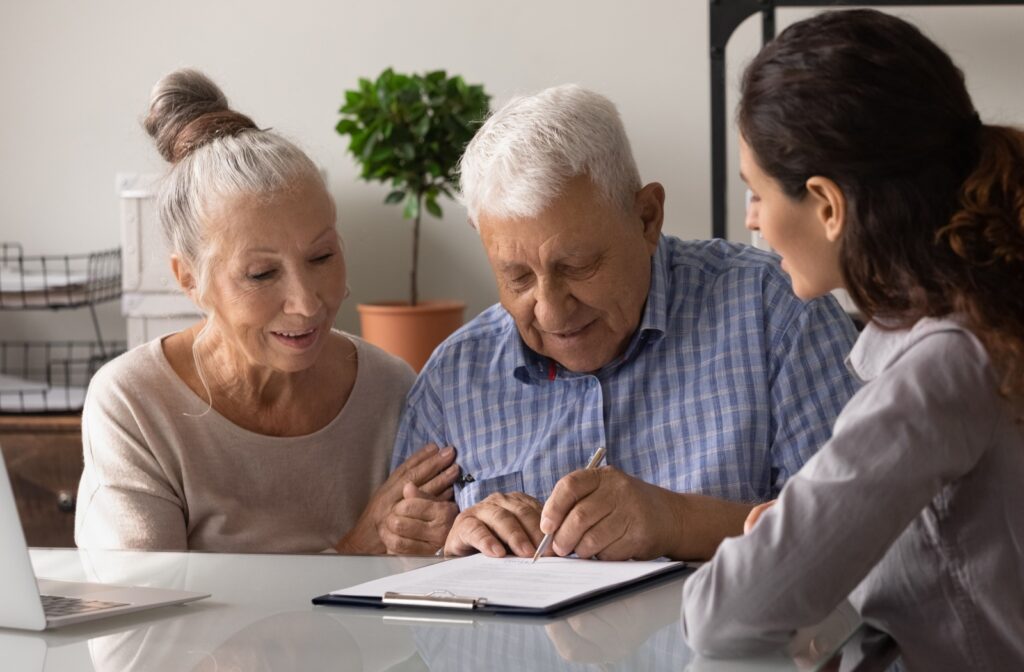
260,618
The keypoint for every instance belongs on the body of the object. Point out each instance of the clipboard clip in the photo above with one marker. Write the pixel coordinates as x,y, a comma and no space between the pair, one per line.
437,598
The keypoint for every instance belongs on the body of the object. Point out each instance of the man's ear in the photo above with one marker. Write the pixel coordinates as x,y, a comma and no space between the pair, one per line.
829,205
650,207
186,278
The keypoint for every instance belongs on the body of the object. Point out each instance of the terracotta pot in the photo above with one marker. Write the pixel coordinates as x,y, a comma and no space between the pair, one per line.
410,332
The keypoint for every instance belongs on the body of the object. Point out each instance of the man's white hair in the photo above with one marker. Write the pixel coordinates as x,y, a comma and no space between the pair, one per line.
524,154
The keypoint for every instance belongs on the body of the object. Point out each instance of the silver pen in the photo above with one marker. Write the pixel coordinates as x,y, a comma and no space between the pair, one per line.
595,460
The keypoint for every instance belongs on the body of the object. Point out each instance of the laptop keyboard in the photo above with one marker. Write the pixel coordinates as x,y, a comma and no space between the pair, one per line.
55,605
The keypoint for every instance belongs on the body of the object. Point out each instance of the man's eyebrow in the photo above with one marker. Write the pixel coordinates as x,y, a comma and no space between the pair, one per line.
510,266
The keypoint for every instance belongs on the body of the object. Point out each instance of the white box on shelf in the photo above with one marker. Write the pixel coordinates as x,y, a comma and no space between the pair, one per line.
146,262
151,301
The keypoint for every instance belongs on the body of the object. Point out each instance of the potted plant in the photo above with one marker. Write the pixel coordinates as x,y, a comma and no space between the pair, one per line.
409,131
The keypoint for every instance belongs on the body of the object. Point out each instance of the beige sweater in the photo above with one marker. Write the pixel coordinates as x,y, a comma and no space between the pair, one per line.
158,479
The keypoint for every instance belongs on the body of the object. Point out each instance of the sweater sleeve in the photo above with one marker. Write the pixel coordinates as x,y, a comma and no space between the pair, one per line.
920,425
125,500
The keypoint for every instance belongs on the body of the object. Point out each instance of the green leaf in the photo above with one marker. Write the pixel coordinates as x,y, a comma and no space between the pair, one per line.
395,197
368,147
432,207
380,154
359,139
412,207
346,126
422,126
406,151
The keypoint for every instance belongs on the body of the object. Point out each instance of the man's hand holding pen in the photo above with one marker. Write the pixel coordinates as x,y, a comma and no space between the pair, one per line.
608,514
600,512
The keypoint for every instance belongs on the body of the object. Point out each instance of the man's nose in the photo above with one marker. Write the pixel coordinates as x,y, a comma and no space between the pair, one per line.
554,303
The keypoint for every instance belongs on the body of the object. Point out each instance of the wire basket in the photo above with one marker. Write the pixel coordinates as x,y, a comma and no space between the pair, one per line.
57,280
50,377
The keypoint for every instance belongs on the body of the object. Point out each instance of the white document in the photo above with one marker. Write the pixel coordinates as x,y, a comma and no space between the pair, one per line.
513,582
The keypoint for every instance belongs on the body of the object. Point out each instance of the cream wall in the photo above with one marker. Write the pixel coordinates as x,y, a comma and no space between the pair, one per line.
75,78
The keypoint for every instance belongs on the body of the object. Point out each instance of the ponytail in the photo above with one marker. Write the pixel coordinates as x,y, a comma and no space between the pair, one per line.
987,234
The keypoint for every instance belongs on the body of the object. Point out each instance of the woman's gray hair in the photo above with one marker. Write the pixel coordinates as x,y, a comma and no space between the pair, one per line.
215,153
524,154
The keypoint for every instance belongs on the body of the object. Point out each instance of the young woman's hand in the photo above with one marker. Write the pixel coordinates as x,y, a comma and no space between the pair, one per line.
755,514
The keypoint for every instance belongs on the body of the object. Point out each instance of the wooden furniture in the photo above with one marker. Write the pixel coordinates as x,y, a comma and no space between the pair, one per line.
44,460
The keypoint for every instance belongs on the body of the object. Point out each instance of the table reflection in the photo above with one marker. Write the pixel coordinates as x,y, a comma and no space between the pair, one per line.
260,618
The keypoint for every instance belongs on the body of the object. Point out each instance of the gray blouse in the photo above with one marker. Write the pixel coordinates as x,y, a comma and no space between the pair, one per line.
914,508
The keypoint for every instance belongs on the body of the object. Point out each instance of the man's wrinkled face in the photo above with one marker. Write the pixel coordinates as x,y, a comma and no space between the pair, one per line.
575,277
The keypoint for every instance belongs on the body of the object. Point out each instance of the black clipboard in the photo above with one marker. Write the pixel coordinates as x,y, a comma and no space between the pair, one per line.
480,605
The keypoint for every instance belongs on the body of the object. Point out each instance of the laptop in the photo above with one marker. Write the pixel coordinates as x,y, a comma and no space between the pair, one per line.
32,604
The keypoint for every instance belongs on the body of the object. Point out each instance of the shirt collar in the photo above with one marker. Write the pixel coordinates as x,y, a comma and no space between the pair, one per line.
879,346
531,367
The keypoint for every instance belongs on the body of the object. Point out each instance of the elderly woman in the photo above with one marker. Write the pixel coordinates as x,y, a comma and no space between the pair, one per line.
259,429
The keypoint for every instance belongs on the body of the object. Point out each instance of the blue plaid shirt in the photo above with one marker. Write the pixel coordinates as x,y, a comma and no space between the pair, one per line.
727,387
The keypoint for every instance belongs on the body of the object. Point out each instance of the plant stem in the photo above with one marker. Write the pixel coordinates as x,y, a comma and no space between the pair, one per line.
415,249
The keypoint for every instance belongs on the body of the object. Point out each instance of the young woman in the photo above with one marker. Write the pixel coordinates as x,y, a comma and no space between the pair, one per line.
872,171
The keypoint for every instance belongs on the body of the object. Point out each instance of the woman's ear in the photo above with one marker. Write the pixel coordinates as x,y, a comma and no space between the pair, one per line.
186,278
829,205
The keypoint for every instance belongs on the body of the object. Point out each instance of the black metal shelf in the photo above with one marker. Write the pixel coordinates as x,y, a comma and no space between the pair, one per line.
725,16
48,376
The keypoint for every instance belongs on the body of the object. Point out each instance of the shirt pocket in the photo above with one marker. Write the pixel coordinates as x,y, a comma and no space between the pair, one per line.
476,491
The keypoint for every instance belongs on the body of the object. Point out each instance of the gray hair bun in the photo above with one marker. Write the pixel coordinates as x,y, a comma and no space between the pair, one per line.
186,111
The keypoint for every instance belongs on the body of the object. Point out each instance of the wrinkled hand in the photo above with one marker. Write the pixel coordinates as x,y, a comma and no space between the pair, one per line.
755,514
608,514
429,469
498,524
418,524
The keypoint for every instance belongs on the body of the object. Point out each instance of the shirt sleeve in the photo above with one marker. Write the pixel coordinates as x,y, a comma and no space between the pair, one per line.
422,420
903,437
809,381
124,499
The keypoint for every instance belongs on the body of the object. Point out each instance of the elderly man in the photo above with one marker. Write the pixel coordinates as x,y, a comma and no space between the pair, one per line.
693,363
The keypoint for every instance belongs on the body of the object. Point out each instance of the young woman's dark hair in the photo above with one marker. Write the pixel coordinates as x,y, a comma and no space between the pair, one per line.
935,215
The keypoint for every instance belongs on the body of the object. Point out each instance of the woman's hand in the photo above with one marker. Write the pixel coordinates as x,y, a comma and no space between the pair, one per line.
430,470
417,525
755,513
